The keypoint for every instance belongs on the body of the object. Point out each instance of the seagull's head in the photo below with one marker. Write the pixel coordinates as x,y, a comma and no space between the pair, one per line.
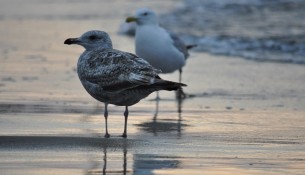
144,16
91,40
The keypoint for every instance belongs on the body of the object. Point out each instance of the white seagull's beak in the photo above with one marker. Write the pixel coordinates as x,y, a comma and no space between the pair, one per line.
131,19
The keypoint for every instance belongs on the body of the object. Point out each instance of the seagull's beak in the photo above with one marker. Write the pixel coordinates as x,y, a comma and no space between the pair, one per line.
71,41
131,19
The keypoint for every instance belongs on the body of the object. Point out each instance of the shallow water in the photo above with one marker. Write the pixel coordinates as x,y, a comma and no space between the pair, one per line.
261,30
245,117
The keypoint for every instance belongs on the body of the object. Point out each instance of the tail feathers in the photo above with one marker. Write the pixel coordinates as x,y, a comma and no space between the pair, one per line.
191,46
168,85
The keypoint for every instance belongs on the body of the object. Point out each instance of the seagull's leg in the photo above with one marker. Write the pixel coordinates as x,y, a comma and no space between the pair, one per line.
180,75
157,109
180,94
106,117
157,96
125,125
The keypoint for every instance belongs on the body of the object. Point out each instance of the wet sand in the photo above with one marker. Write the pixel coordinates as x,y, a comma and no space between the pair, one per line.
245,117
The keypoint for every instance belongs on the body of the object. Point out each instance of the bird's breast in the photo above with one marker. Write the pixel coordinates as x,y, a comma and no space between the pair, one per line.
157,48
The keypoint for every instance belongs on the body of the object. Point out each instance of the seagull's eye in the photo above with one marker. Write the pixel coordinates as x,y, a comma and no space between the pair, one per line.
92,37
145,14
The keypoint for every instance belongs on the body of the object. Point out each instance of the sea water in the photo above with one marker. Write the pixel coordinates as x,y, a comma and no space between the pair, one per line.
262,30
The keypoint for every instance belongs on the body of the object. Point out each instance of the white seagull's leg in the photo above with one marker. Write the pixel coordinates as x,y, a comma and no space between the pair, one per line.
157,108
180,76
157,96
106,117
125,125
179,93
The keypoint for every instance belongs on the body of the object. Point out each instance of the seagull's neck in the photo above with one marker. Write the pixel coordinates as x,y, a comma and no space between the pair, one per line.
99,47
104,47
148,25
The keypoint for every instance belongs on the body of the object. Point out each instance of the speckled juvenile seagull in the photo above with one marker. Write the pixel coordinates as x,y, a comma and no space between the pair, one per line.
115,77
162,49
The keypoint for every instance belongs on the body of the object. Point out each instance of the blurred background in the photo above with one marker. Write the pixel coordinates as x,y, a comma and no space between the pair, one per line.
32,33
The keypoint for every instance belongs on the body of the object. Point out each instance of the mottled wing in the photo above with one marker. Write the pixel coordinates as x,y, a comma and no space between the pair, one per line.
115,70
179,44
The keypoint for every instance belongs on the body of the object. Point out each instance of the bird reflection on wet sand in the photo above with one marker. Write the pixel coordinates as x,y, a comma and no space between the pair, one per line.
164,125
94,155
95,169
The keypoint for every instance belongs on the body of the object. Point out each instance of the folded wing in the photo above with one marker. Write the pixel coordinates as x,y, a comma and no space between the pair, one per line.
115,70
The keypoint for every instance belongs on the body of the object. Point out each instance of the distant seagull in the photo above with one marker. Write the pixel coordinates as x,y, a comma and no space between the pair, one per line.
163,50
115,77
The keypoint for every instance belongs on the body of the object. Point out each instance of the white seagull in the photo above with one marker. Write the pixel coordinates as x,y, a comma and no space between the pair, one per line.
162,49
115,77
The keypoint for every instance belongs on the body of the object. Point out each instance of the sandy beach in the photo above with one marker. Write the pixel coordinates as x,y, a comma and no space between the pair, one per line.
244,117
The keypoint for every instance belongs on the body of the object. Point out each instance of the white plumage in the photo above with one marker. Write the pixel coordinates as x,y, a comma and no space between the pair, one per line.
162,49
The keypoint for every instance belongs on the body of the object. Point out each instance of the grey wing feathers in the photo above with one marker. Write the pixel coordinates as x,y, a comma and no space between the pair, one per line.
114,70
179,44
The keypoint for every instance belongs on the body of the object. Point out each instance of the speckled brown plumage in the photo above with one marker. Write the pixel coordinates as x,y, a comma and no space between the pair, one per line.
116,77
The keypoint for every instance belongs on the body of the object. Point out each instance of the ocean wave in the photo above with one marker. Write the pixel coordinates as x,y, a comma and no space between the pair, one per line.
283,49
264,30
